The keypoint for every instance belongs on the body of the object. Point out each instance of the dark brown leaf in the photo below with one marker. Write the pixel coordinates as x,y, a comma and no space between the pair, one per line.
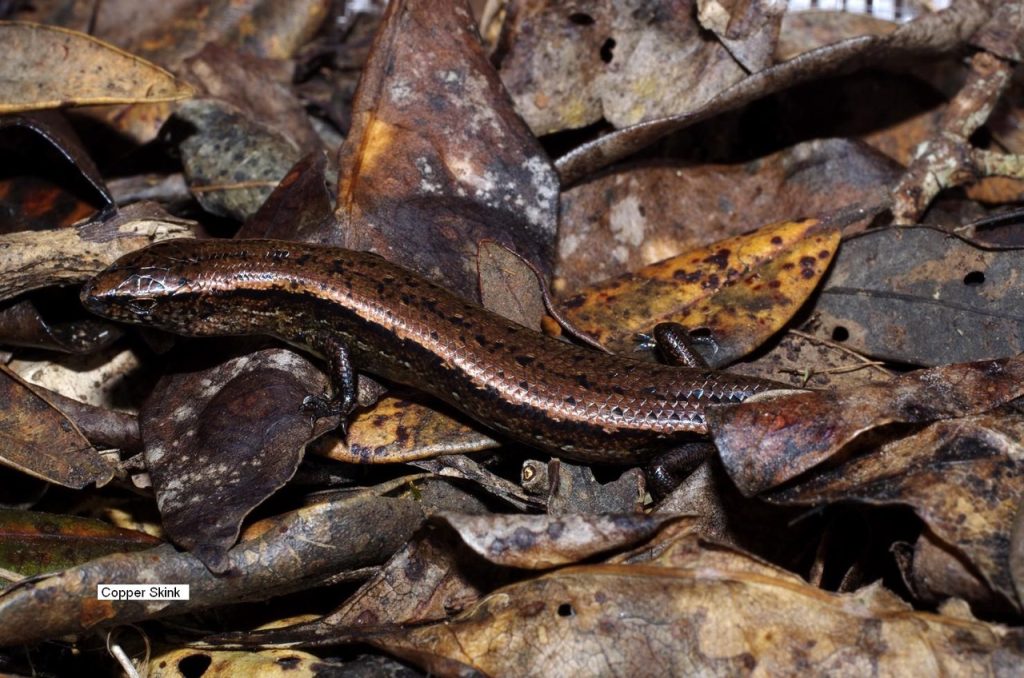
964,478
964,300
930,34
768,440
219,441
32,542
39,440
299,208
437,159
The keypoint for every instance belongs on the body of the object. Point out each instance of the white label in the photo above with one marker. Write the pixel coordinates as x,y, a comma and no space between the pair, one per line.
142,591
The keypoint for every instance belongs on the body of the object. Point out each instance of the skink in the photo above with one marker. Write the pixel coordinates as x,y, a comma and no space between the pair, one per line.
357,309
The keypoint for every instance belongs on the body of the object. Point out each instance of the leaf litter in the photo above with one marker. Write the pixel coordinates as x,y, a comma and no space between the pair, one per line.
676,161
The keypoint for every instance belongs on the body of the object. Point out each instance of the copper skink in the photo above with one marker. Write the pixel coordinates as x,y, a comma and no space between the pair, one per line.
361,312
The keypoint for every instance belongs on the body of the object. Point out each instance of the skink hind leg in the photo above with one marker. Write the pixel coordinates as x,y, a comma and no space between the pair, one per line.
676,345
343,378
671,467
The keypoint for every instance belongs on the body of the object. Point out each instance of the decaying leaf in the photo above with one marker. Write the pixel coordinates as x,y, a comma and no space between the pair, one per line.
572,489
293,552
437,160
299,208
53,129
642,213
509,286
624,61
183,663
400,430
32,542
964,299
218,450
930,34
39,440
690,608
742,290
769,440
50,67
881,493
964,478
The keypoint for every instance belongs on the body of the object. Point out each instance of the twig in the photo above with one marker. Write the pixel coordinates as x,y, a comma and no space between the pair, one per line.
949,159
865,362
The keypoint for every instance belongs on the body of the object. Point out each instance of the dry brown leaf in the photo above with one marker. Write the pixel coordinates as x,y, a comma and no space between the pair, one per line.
743,290
697,610
437,159
400,430
964,478
219,441
768,440
51,67
39,440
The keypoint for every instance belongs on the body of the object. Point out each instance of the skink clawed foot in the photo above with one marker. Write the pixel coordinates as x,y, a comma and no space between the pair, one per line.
321,407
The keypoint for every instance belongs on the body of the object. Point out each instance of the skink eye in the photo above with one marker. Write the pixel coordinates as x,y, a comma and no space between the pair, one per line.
142,306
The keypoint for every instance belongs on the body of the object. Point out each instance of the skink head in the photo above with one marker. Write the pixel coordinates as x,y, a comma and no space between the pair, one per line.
165,285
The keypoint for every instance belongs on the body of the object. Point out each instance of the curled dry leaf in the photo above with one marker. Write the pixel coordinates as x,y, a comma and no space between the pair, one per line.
964,299
39,440
437,159
294,551
102,427
769,440
219,441
964,479
53,128
50,67
69,331
743,290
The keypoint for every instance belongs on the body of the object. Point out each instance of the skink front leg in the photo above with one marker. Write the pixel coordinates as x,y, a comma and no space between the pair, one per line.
343,378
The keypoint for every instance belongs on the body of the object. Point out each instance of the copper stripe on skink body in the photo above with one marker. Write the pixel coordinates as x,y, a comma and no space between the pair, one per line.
577,402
